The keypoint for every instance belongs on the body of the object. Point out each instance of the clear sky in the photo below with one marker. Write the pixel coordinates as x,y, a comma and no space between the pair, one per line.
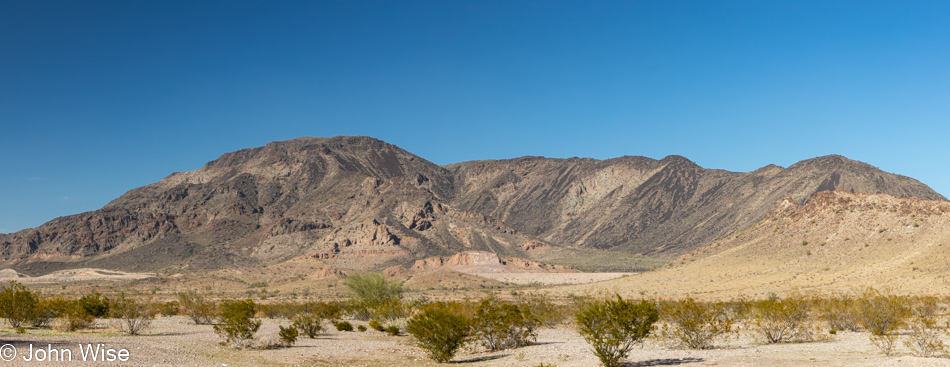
97,98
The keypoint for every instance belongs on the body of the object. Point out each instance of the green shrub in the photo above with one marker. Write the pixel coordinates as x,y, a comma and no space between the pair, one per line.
308,323
439,331
361,328
288,335
199,309
613,327
541,309
343,326
785,320
17,304
882,315
392,330
696,324
73,317
94,304
237,326
840,312
502,325
372,288
47,310
376,325
172,308
133,316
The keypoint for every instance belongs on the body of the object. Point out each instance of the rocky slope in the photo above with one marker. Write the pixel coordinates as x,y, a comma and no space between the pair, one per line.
361,203
657,207
838,242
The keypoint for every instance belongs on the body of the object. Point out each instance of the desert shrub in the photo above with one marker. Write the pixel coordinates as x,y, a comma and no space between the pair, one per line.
439,331
172,308
840,312
389,309
343,326
199,309
48,309
695,324
94,304
924,337
882,314
372,288
237,326
288,335
376,325
541,309
17,303
785,320
284,310
361,328
308,323
73,317
613,327
132,315
392,330
503,325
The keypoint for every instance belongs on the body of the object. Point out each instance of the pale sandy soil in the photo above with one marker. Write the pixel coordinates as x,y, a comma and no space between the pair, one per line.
176,342
551,278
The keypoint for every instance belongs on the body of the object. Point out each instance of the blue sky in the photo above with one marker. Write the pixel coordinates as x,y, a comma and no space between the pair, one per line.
97,98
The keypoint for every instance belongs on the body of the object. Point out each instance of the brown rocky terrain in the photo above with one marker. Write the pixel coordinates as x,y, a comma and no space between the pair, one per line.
358,203
837,242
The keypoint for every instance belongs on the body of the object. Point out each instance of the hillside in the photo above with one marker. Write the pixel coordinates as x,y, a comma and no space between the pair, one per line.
360,203
838,242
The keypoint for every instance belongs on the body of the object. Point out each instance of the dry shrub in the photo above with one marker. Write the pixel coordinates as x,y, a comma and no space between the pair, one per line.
201,310
503,325
777,320
539,307
924,339
883,314
840,312
132,315
695,324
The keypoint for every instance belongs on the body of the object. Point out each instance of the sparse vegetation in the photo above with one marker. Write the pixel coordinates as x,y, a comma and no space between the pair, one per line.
440,331
199,309
132,315
784,320
237,326
613,327
503,325
882,314
696,324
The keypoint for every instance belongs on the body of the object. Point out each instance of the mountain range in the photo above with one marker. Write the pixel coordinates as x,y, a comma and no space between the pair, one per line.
364,204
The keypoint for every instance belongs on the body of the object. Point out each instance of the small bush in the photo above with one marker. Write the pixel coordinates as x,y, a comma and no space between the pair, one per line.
372,288
17,304
133,316
288,335
541,309
439,331
343,326
73,318
882,315
783,320
361,328
502,325
94,304
200,310
47,310
308,323
392,330
840,312
924,338
696,324
376,325
613,327
172,308
237,327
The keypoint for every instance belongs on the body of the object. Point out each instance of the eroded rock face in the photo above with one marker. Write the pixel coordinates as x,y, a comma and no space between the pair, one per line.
345,197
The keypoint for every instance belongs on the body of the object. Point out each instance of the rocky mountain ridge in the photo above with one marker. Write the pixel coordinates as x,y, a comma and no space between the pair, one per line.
366,204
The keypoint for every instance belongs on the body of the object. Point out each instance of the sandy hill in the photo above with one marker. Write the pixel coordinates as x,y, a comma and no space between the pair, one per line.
363,204
837,242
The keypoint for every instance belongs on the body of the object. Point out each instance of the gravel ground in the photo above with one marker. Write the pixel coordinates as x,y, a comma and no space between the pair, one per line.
174,341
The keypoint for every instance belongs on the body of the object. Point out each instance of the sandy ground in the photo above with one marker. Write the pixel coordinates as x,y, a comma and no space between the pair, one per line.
174,341
551,278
